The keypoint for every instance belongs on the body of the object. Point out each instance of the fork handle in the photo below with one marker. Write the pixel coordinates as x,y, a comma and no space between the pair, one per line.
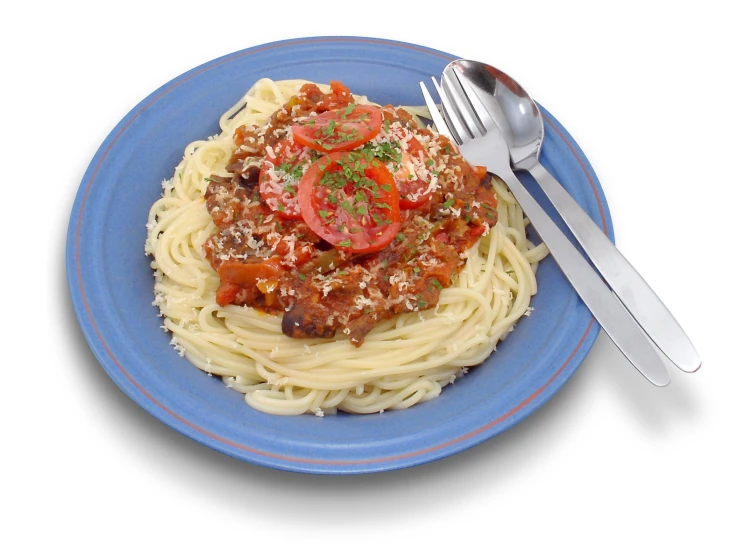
628,285
602,303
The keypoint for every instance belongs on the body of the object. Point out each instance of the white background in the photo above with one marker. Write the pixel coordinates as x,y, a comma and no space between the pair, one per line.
612,467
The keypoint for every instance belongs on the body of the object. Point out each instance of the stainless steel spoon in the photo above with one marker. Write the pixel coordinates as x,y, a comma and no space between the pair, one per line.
519,119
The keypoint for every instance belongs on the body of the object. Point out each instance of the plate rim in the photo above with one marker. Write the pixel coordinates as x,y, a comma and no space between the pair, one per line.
130,386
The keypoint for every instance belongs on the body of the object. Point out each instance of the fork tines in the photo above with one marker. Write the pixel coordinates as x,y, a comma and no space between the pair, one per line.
464,116
436,116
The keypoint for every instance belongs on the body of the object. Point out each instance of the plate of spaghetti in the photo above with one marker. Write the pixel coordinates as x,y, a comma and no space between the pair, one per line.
276,256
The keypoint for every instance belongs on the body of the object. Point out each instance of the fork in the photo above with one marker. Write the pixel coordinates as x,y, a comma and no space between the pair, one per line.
466,122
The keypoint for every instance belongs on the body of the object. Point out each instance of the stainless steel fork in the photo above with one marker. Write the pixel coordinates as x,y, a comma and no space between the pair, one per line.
481,143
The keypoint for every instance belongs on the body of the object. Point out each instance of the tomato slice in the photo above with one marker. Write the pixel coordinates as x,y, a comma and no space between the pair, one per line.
340,130
281,171
414,191
351,203
413,184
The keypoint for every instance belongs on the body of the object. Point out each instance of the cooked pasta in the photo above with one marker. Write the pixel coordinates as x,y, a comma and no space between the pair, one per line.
404,360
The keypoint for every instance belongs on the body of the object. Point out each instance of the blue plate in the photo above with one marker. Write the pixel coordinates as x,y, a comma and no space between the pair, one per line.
112,286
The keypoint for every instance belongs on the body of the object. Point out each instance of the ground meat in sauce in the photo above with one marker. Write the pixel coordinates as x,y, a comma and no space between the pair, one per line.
319,288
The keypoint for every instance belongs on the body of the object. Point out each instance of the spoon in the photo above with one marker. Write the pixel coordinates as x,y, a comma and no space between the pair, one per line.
519,120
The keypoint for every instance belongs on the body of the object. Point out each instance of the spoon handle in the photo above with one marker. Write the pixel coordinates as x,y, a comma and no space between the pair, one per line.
628,285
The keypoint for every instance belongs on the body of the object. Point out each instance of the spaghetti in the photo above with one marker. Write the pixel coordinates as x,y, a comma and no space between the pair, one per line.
405,359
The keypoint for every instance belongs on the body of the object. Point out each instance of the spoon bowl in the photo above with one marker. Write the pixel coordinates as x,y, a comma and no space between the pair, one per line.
516,114
518,119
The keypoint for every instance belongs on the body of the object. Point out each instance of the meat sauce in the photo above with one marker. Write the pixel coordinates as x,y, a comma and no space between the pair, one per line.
270,259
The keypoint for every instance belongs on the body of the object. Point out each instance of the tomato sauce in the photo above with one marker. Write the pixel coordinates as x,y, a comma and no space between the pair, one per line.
349,257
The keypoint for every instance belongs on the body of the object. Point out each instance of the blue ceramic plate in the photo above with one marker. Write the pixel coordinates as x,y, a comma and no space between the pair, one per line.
111,282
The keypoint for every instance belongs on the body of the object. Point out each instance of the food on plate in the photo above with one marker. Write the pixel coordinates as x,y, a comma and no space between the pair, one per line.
323,253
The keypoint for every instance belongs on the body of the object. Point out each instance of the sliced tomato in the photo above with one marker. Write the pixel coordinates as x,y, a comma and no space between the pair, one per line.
412,188
281,171
340,130
351,203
